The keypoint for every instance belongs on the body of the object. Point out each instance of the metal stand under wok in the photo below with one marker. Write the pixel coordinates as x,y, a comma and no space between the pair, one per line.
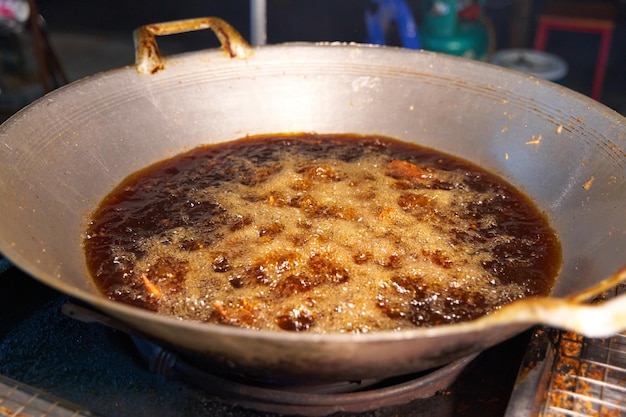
309,400
283,396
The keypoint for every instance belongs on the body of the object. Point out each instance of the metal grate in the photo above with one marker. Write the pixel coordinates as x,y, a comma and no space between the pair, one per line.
589,378
19,400
572,376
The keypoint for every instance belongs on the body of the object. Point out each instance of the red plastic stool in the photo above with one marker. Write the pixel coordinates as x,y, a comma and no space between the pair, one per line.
591,17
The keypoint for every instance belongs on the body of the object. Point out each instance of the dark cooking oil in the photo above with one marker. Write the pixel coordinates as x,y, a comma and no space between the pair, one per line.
320,233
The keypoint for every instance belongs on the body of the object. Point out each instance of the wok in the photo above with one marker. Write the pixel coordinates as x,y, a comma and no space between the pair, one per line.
60,155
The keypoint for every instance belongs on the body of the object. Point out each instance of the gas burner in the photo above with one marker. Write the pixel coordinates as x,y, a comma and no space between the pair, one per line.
281,396
309,399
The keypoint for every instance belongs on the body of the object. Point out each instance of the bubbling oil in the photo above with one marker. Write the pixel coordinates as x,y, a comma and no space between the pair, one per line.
320,233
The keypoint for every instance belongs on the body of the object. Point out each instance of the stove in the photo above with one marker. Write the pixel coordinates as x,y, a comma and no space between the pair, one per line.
59,359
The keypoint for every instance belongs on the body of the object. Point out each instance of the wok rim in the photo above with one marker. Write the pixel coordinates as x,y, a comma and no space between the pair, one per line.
492,320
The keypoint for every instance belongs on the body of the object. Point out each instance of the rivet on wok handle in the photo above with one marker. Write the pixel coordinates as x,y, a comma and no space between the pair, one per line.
148,59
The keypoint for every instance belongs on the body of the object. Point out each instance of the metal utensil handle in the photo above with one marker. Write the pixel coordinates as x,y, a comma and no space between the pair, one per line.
148,59
598,320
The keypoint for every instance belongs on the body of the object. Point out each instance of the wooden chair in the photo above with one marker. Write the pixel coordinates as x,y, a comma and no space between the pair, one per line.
581,16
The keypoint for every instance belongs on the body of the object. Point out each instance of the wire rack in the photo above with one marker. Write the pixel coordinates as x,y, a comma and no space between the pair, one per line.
19,400
589,378
567,375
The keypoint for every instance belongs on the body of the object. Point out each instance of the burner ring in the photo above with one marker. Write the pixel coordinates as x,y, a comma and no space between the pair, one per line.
314,400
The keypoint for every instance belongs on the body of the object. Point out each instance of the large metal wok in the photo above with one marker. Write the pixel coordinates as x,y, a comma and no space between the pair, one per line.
62,154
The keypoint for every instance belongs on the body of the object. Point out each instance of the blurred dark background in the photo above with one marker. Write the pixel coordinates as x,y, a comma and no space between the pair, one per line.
89,36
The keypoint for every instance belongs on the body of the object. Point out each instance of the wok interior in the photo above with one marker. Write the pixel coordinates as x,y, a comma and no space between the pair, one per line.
62,154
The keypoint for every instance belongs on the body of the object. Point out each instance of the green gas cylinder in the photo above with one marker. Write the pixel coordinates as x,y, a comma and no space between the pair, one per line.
444,30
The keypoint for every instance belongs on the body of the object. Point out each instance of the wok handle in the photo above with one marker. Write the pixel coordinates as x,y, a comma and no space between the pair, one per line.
597,320
148,59
590,320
